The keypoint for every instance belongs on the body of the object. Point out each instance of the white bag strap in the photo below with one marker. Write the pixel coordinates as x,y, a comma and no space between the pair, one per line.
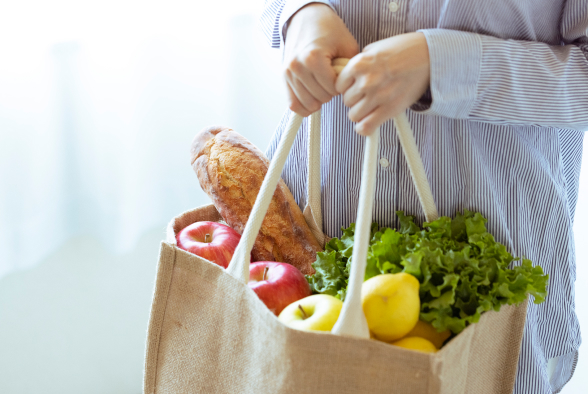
415,165
239,265
313,211
352,320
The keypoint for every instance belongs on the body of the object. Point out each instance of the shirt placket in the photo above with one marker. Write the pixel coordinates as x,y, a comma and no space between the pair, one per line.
392,18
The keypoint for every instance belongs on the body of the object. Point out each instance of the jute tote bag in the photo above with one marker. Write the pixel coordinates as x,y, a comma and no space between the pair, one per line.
209,332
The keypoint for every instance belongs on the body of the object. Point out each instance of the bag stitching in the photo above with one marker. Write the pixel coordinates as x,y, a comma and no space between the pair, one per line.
161,299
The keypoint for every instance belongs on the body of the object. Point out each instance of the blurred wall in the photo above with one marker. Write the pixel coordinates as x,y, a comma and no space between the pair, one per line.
99,104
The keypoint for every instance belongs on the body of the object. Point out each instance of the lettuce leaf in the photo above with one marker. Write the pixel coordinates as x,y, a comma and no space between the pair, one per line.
463,272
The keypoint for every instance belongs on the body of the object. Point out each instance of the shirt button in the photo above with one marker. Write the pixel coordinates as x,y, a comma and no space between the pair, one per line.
384,162
393,6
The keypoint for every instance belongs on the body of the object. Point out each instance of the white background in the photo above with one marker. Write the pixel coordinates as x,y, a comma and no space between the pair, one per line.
98,106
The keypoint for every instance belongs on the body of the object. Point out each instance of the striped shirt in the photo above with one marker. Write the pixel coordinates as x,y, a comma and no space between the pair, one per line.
500,133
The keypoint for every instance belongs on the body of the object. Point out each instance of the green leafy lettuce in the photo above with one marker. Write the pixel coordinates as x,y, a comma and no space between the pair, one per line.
462,270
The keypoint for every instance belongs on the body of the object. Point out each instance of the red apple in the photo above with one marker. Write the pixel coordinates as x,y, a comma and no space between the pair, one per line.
213,241
277,284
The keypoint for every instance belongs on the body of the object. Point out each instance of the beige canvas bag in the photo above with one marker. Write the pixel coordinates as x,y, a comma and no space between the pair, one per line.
209,332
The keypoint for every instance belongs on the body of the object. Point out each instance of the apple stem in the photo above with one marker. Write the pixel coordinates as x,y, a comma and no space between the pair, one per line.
207,238
304,315
265,272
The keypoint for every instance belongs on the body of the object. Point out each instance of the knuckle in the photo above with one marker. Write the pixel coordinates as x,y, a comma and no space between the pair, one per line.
347,100
360,127
392,73
358,69
367,127
364,63
312,56
315,107
300,110
296,107
363,90
294,66
370,82
325,98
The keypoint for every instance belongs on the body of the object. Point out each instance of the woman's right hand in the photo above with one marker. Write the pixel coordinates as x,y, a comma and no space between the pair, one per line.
315,36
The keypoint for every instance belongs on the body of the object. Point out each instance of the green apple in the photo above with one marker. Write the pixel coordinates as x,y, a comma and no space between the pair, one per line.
317,312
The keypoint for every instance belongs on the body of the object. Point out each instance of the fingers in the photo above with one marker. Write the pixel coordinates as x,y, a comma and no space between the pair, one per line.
353,95
325,76
363,108
316,35
317,91
347,77
363,90
311,80
375,119
296,104
372,94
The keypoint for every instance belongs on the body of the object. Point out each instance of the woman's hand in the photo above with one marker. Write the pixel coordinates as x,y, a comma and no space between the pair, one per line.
315,36
386,78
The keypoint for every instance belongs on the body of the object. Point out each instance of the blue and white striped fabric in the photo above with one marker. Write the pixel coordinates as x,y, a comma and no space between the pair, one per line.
499,133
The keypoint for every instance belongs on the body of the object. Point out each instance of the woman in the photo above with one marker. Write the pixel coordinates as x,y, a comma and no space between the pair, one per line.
497,95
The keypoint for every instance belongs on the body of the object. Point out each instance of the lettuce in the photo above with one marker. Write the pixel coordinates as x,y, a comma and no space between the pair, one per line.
463,272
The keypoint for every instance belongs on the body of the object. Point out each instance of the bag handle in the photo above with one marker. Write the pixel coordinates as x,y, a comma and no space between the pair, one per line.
239,265
352,320
313,210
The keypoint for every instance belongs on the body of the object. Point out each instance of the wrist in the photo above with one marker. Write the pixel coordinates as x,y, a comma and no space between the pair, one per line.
313,9
307,13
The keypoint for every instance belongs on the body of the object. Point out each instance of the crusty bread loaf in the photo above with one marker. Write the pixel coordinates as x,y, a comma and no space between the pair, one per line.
230,170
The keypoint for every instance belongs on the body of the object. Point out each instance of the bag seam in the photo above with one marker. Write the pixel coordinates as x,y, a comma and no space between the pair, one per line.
158,312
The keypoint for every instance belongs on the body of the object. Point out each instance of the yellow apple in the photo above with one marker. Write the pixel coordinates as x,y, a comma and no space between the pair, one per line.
391,305
425,330
416,343
317,312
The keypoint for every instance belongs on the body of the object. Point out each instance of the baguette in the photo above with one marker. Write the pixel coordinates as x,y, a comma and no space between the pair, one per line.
230,170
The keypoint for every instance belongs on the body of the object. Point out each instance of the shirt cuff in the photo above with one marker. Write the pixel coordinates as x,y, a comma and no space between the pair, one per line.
292,7
455,58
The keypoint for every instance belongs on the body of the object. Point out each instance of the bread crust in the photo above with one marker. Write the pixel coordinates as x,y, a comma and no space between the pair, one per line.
230,170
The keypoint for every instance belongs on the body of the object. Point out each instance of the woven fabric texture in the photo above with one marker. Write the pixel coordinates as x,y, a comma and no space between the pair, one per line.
209,333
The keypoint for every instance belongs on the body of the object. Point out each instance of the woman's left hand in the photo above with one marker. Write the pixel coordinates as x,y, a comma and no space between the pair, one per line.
386,78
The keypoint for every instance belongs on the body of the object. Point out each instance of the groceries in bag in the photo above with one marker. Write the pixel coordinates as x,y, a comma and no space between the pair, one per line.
462,271
231,170
318,312
277,284
213,241
425,283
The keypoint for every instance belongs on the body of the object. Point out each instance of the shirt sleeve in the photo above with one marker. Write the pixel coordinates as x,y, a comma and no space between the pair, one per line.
276,14
509,81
